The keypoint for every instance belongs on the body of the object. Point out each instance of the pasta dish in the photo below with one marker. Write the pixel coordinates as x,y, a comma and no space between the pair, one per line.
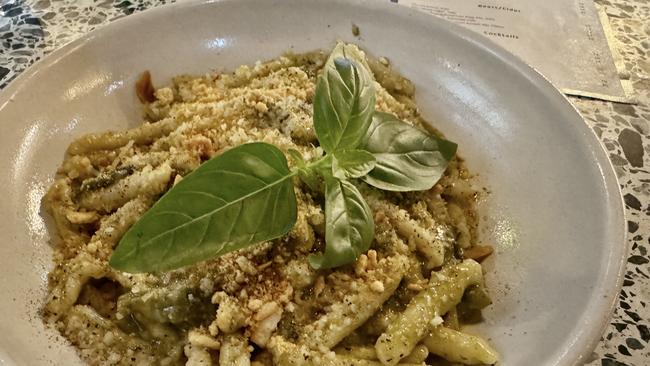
346,265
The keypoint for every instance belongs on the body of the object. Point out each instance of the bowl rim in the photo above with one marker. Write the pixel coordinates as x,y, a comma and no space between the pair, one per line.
616,265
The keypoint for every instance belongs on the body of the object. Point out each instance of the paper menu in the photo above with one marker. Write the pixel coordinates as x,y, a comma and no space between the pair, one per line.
563,39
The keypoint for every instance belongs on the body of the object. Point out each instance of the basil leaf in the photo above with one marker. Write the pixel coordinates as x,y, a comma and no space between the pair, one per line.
241,197
408,159
349,226
352,163
344,100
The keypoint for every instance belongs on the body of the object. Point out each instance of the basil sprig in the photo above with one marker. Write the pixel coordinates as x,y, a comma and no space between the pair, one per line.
245,195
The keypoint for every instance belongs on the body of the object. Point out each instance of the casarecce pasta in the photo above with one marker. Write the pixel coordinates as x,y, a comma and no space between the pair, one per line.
400,303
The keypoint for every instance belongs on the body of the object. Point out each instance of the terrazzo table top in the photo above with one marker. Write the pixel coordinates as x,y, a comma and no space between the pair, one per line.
30,29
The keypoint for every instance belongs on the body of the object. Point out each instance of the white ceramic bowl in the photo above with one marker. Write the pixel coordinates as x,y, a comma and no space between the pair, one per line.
555,212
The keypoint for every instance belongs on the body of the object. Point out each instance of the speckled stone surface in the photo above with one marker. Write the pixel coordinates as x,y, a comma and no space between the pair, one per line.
31,29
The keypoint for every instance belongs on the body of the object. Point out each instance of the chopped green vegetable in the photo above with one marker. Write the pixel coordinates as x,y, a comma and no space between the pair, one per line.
105,179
